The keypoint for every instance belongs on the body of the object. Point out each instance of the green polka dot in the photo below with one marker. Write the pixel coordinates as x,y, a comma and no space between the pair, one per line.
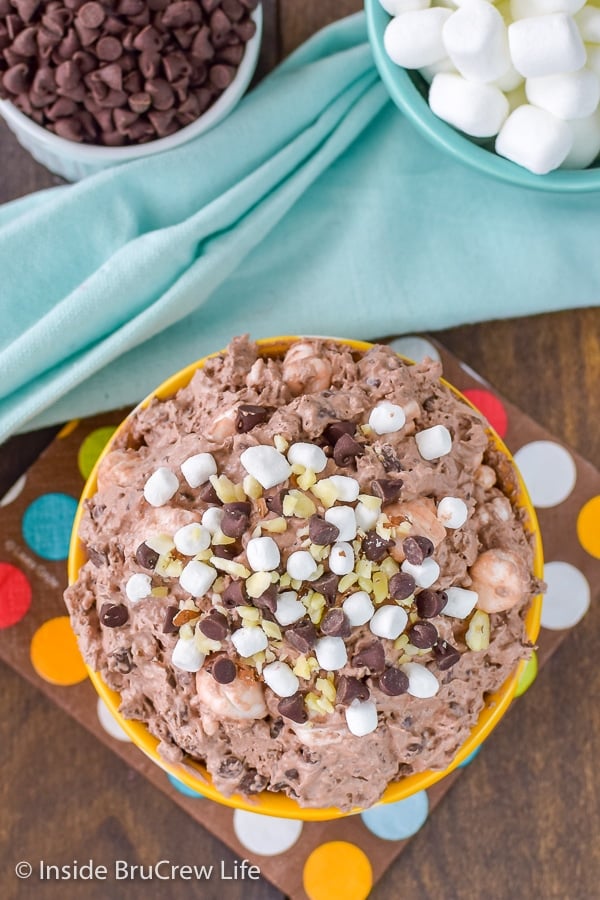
92,447
528,676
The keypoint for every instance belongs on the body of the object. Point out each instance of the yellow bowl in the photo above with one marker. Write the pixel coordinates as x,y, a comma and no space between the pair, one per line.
194,775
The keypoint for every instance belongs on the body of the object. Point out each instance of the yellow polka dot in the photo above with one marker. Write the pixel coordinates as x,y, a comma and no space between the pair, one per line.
92,447
68,429
54,653
529,675
338,869
588,527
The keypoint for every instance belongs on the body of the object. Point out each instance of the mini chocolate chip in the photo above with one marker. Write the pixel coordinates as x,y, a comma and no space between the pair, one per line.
253,783
422,635
109,49
372,656
430,603
208,494
140,103
176,66
276,728
16,79
446,655
335,623
123,660
234,595
387,489
96,557
322,532
91,15
221,76
202,48
223,670
182,13
336,430
113,615
327,585
231,767
248,416
26,8
236,517
268,599
275,502
389,458
25,43
401,586
124,119
168,627
346,449
292,774
214,626
349,688
393,682
146,556
375,547
293,708
413,551
302,636
225,551
245,30
232,55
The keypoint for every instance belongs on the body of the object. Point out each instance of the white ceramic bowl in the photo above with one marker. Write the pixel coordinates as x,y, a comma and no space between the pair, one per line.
75,161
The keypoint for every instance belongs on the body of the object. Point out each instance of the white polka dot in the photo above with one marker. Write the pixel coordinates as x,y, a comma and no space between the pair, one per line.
414,347
13,492
548,471
265,835
109,723
568,596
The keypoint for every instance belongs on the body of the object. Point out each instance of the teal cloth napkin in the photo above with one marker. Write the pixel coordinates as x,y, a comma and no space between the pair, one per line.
314,208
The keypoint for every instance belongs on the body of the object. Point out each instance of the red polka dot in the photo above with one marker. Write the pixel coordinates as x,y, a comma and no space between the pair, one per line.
491,407
15,595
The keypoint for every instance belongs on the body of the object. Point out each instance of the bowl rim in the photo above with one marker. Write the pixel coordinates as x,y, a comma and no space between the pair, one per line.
99,153
405,95
193,774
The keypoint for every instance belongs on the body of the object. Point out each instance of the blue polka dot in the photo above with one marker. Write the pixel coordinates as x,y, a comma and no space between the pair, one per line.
47,525
398,821
470,758
182,788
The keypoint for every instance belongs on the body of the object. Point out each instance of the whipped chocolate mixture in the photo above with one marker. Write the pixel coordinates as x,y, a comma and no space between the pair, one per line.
296,630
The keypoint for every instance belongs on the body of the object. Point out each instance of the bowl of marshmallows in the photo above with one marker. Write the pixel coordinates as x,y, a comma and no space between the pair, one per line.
510,88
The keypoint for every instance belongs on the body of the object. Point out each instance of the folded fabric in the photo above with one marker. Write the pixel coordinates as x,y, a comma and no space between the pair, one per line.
314,208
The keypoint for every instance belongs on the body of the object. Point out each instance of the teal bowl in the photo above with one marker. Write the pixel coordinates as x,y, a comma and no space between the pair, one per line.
408,90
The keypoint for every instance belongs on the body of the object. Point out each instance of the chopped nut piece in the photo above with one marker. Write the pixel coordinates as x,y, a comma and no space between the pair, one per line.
326,492
236,570
257,584
274,526
347,581
226,490
307,479
185,615
160,592
220,539
271,629
302,668
249,613
380,587
252,488
478,633
280,443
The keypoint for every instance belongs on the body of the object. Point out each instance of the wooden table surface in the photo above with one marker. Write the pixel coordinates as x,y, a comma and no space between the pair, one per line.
523,823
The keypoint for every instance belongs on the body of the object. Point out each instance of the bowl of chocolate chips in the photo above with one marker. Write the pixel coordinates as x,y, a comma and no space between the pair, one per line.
304,576
87,84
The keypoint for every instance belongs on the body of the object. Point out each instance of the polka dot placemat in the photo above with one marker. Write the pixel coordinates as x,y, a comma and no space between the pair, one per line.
319,861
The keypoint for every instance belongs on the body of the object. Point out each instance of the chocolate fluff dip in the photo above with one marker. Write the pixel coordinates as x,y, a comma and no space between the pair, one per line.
306,572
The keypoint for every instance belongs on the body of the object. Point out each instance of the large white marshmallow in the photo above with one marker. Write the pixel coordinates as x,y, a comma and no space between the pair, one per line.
510,81
535,139
477,109
593,58
266,464
476,41
588,22
397,7
586,142
523,9
361,717
443,65
546,45
571,95
414,39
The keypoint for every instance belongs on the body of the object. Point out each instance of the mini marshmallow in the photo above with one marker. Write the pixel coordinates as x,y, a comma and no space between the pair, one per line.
572,95
586,142
358,608
211,519
452,512
510,81
593,58
425,574
477,109
198,469
138,587
397,7
414,39
289,608
535,139
301,566
341,558
361,717
421,682
387,418
280,679
346,488
331,653
461,602
192,539
546,45
248,640
523,9
263,554
344,519
366,518
308,455
434,442
443,65
197,578
266,464
187,656
588,22
161,486
389,622
476,42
